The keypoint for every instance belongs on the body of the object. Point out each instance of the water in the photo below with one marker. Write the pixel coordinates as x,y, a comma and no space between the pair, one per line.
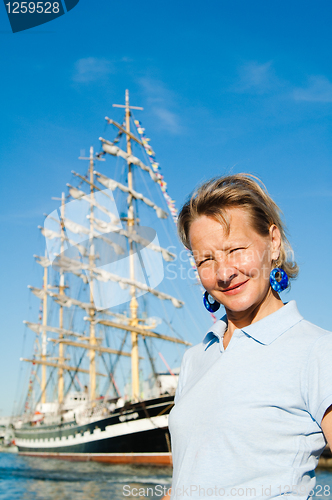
27,478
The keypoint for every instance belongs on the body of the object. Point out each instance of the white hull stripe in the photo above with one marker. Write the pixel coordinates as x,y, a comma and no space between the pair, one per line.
110,431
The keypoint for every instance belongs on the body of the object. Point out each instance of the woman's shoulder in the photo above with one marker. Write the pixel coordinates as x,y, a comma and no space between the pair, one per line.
315,334
301,328
308,341
313,331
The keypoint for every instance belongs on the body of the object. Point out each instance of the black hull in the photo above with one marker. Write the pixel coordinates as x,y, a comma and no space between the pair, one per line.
135,428
139,442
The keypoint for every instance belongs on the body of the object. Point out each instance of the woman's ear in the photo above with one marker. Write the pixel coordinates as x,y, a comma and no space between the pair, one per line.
275,239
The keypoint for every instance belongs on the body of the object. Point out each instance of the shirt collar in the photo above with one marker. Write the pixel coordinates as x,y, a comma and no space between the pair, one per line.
264,331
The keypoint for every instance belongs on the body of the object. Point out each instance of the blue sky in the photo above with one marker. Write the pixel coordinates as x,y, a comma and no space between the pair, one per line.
226,87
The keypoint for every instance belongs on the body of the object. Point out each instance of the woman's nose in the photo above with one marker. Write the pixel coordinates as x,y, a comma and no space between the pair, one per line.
225,272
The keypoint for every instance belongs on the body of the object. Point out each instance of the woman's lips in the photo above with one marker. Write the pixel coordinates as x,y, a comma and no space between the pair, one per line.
232,290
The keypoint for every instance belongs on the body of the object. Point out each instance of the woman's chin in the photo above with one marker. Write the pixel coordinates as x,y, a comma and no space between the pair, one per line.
242,304
238,306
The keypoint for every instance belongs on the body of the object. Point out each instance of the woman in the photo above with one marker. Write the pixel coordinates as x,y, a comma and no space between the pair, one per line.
252,404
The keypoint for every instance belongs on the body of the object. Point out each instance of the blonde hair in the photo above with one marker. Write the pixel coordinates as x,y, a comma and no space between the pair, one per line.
246,191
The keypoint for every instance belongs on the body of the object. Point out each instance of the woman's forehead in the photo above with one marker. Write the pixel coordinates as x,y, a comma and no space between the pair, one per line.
230,221
206,231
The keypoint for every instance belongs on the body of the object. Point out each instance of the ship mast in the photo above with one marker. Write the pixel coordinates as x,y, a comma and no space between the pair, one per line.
44,337
92,312
130,224
61,293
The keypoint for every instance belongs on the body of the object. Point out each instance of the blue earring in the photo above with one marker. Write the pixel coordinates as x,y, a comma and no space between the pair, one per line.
210,306
282,282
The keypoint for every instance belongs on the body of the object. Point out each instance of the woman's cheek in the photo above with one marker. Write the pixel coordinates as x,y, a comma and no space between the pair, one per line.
249,265
206,274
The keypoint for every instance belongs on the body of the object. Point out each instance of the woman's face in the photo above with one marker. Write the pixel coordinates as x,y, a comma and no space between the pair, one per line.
235,267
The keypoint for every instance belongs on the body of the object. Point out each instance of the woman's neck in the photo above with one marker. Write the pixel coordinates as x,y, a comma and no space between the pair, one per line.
240,319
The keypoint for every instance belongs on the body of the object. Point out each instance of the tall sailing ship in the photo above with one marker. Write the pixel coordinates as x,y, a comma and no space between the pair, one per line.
105,303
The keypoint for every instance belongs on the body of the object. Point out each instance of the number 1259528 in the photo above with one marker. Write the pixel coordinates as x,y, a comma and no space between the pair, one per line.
32,7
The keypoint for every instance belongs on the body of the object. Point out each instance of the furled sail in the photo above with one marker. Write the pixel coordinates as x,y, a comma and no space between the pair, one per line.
103,226
38,328
113,150
66,301
66,264
76,193
60,366
43,261
76,228
93,201
38,292
51,235
91,347
103,275
112,184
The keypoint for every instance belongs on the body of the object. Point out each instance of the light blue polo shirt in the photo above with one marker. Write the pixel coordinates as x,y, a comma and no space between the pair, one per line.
246,420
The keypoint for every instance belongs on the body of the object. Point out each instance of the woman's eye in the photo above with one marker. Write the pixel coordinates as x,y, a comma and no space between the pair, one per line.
205,260
236,249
